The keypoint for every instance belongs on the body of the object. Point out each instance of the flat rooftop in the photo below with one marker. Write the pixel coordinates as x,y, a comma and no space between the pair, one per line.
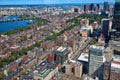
96,47
61,49
114,43
116,58
116,62
44,73
83,57
115,65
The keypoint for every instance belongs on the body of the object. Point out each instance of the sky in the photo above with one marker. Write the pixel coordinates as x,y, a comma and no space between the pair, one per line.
13,2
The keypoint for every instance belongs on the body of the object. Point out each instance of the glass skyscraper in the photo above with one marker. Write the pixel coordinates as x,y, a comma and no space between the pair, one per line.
115,32
116,17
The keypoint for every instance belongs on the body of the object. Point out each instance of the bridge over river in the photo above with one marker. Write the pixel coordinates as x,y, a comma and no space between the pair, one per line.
12,20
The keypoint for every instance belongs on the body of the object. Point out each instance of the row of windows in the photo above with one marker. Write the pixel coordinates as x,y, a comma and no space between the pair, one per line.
115,70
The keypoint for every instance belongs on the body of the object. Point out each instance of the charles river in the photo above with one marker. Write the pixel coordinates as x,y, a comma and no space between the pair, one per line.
11,25
6,25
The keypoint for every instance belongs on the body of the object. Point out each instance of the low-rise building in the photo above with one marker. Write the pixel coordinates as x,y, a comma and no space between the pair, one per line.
115,71
46,71
30,63
48,44
115,67
61,54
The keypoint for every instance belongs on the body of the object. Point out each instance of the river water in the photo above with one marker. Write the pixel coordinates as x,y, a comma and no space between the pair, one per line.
7,26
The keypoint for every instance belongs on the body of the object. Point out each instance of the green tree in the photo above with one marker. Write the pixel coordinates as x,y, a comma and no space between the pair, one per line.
2,75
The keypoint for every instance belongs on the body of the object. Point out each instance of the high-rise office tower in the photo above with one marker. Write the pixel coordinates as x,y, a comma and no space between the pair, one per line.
116,17
98,6
91,7
100,59
86,8
96,61
105,29
106,6
115,32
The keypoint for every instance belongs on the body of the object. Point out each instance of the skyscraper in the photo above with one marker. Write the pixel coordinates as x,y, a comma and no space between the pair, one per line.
115,33
98,6
86,8
105,29
96,61
91,7
106,6
116,17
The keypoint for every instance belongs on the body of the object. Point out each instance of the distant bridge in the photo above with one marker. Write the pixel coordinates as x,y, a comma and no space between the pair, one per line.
12,20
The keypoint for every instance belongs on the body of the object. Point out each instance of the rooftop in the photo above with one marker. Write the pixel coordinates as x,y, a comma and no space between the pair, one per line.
29,61
90,78
61,49
115,43
105,19
14,47
83,57
115,64
96,47
116,58
44,73
47,42
45,68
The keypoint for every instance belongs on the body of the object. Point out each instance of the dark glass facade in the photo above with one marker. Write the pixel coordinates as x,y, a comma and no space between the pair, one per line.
91,7
116,17
105,28
106,6
115,33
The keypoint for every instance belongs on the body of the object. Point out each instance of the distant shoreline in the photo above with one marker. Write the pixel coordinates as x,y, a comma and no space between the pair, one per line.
19,5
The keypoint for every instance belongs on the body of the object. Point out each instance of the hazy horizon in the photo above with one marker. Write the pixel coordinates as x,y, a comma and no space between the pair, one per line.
33,2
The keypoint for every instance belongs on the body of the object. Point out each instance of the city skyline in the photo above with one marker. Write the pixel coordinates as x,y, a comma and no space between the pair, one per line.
18,2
